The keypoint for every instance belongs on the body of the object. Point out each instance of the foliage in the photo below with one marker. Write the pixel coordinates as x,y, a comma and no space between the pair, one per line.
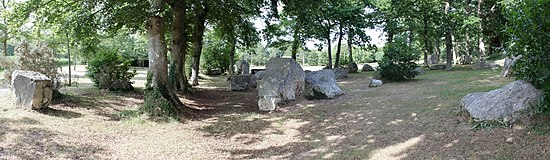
398,61
108,66
215,53
154,103
39,58
528,27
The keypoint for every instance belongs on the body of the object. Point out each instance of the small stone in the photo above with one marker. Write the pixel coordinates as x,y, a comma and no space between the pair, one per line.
375,83
510,140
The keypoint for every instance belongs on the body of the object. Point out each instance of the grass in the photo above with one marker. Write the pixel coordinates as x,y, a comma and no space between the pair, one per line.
408,120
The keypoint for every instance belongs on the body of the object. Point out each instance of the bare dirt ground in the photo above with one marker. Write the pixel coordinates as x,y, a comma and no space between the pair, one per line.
411,120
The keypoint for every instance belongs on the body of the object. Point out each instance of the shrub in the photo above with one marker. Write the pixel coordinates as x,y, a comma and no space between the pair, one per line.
108,70
397,64
528,27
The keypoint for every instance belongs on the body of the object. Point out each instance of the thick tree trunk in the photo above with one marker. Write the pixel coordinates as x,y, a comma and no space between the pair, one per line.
232,55
337,59
467,34
158,62
69,57
350,46
178,47
5,42
200,20
448,37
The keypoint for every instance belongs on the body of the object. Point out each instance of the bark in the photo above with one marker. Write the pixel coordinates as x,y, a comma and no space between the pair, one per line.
200,20
158,62
5,39
448,37
350,46
5,42
437,46
232,55
337,60
467,34
179,46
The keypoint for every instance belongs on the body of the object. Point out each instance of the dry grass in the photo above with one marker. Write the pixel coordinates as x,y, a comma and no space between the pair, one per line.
411,120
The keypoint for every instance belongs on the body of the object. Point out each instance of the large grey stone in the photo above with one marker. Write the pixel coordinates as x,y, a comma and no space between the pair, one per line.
31,89
353,67
242,67
321,85
419,71
434,59
242,82
485,65
283,80
340,73
259,75
367,68
438,67
502,103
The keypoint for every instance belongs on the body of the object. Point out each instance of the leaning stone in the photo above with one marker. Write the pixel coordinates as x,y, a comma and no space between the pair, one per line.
508,63
340,73
502,103
353,67
241,82
242,67
31,89
434,59
465,59
367,68
321,85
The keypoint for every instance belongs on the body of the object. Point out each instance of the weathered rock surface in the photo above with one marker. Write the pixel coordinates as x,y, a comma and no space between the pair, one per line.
340,73
434,59
242,82
353,67
321,85
259,75
438,67
419,71
283,79
485,65
367,68
31,89
501,103
375,83
508,63
242,67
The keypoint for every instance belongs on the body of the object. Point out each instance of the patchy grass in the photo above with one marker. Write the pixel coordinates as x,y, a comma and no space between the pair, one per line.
409,120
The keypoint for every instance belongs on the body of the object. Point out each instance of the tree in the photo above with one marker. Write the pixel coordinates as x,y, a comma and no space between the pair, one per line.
200,13
448,35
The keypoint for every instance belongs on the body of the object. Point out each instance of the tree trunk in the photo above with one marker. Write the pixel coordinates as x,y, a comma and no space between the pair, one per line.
158,62
295,42
69,57
232,55
5,42
329,65
448,37
350,46
179,46
426,42
200,20
337,60
480,42
437,46
467,33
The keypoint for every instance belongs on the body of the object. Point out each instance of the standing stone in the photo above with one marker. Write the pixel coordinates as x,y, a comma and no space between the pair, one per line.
31,89
504,102
367,68
283,80
508,63
465,59
353,67
340,72
242,67
321,85
434,59
242,82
